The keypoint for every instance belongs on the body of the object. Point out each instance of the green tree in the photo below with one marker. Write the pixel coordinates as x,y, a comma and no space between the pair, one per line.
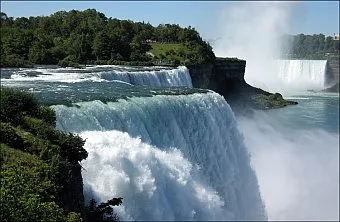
101,46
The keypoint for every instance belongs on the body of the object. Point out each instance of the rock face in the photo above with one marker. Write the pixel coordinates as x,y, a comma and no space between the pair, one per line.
226,77
332,75
218,75
72,193
334,88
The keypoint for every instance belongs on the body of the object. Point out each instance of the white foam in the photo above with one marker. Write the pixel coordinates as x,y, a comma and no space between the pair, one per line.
155,184
154,76
190,162
298,169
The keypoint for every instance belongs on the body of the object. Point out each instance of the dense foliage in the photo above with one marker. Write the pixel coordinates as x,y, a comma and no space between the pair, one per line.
40,170
309,46
70,38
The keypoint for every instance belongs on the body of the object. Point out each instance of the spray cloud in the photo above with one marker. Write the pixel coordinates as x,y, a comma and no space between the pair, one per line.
251,30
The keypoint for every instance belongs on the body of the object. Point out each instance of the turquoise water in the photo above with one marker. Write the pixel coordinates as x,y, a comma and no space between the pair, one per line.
315,110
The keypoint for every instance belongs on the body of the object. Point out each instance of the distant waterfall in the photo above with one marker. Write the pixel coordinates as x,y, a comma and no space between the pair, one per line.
287,76
303,74
170,157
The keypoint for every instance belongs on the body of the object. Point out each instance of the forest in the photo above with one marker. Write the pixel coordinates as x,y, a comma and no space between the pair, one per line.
309,47
89,37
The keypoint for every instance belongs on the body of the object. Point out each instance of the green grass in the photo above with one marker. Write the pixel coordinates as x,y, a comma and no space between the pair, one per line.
175,54
190,53
158,49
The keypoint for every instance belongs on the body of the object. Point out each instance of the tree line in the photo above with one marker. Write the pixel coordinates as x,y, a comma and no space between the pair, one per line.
309,46
89,37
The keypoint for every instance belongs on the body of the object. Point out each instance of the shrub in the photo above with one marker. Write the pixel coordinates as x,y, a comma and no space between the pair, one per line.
15,104
187,62
69,61
39,128
102,212
27,193
39,164
73,217
14,60
47,114
9,136
71,146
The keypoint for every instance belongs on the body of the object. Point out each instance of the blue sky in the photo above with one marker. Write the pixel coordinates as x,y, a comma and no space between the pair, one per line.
306,17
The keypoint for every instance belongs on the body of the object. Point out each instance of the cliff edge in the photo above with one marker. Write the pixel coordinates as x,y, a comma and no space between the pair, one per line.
332,75
226,77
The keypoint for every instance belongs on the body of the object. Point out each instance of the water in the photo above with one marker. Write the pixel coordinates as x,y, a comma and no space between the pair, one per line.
172,153
178,153
289,76
183,156
295,153
294,150
302,75
146,76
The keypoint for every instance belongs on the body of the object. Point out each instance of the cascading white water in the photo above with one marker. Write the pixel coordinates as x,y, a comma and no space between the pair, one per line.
170,157
157,77
290,76
303,74
172,77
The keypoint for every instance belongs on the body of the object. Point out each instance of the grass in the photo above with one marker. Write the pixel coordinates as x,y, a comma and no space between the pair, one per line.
158,49
172,54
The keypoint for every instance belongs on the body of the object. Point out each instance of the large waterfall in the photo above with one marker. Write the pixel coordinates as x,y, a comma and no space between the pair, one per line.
172,152
287,76
170,157
303,74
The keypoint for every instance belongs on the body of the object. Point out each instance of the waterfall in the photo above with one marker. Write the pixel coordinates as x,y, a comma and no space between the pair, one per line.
161,78
147,76
287,76
303,74
170,157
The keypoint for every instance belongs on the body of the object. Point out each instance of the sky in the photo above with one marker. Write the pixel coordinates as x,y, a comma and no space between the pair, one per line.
308,17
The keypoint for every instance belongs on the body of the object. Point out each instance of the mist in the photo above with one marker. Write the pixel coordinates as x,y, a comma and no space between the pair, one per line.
250,31
297,169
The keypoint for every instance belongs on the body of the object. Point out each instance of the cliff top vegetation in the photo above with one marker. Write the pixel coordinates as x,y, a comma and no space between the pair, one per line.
89,37
40,171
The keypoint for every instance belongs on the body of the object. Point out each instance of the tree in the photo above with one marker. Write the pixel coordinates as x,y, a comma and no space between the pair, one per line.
70,38
101,46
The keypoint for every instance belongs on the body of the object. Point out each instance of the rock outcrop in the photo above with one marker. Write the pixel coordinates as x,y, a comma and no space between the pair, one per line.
332,75
226,77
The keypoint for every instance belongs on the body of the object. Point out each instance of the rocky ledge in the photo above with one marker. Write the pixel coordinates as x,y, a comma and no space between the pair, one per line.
226,77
